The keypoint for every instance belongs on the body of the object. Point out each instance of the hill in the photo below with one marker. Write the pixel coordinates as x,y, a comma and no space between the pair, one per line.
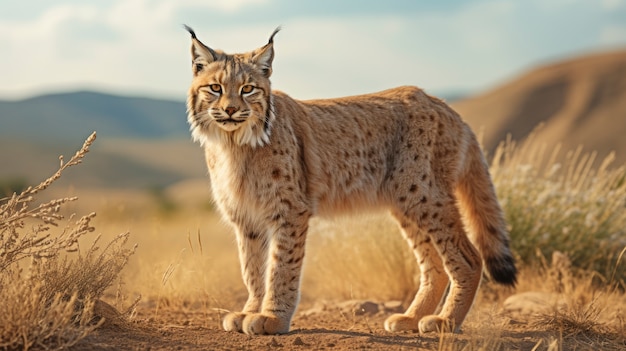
57,117
142,142
581,101
112,163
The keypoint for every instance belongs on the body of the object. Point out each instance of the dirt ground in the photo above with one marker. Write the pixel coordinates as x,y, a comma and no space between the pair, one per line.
352,325
193,300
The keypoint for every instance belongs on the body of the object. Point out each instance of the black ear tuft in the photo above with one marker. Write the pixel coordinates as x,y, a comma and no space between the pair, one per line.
271,41
201,54
193,34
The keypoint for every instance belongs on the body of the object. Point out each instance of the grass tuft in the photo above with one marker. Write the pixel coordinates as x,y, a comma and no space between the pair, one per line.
571,206
49,287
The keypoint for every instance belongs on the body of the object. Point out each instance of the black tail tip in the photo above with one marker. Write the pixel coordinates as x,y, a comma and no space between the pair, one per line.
502,270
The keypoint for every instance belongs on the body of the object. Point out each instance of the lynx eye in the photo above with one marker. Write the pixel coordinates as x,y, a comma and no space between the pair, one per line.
216,88
247,89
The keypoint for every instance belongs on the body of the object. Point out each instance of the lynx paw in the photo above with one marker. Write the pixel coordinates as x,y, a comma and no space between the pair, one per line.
260,324
234,321
400,322
436,324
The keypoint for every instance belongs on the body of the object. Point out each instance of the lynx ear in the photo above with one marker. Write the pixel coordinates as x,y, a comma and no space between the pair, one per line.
265,55
201,54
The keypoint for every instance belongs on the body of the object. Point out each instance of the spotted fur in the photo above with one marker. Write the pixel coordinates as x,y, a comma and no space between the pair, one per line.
274,162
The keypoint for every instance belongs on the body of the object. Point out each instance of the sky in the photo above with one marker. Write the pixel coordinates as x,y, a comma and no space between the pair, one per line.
327,48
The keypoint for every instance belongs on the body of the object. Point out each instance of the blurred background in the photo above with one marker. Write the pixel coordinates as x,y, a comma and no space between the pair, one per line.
121,67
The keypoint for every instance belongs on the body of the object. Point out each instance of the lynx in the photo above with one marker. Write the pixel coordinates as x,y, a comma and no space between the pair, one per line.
274,162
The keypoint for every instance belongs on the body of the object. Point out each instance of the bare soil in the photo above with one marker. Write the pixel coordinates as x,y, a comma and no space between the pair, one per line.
341,326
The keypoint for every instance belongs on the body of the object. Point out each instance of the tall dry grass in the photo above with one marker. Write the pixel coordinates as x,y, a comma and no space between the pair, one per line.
49,284
572,204
359,257
187,259
560,306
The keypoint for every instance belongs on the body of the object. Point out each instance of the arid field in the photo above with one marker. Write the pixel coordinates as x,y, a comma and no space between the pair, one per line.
156,270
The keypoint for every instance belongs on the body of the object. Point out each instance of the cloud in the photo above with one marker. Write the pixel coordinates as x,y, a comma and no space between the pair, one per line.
613,35
611,5
230,6
139,47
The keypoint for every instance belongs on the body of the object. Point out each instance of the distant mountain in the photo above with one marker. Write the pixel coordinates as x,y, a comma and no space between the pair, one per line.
57,117
111,163
145,143
581,101
141,143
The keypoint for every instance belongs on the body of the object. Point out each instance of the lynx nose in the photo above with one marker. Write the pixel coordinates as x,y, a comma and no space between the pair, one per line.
230,110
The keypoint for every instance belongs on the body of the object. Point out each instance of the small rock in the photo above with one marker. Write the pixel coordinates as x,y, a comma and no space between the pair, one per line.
112,318
393,307
360,308
368,307
274,343
318,308
298,342
531,303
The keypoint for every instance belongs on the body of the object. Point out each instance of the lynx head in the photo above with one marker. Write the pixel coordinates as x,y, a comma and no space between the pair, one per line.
230,96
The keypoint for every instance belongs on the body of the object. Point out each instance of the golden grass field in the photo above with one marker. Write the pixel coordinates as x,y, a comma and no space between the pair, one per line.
170,291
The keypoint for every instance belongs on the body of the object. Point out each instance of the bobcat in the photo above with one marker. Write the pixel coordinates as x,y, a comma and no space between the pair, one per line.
275,161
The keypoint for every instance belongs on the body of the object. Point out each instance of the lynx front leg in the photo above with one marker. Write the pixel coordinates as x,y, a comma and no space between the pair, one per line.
252,256
282,281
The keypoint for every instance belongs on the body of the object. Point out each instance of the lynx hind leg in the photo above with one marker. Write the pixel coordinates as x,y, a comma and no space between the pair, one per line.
461,262
433,281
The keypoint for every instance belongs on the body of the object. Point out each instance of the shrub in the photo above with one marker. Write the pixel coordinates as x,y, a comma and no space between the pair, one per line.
576,205
48,285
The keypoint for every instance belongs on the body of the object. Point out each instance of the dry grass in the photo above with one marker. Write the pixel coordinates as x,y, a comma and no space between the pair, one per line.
584,313
185,260
357,258
576,207
188,258
577,313
48,285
